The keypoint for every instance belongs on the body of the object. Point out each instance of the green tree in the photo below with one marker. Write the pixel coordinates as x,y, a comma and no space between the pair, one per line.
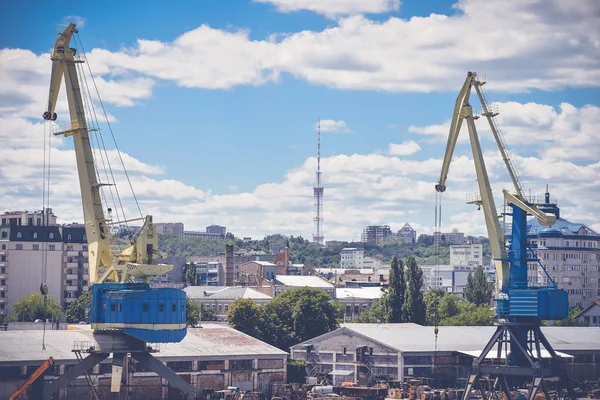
190,274
34,306
396,292
470,314
208,314
76,311
376,313
440,305
478,290
192,312
245,316
571,320
414,306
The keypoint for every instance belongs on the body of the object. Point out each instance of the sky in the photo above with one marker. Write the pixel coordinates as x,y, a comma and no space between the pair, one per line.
214,107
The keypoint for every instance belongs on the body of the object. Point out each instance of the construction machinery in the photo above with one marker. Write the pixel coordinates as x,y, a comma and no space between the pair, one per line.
521,307
36,374
126,313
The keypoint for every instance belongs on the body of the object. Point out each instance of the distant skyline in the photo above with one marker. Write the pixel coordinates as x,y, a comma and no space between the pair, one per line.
214,108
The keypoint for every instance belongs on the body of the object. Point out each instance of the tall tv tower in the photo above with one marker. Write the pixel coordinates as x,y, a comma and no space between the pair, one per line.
318,193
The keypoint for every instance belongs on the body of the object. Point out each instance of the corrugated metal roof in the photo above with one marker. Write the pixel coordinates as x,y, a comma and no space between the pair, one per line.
372,292
467,338
209,341
302,281
224,293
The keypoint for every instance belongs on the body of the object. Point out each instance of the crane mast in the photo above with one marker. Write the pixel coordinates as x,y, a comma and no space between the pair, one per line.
64,64
125,314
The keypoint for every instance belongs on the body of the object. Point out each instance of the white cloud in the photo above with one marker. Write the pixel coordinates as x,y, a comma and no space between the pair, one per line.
333,8
566,133
330,125
360,189
407,148
77,20
542,45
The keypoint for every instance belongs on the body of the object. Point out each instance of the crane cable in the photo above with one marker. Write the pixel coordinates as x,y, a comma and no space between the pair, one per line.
436,243
46,164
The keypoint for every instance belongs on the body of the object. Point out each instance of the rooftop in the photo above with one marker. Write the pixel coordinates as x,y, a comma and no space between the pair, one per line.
563,226
263,263
212,340
374,292
413,337
224,293
302,281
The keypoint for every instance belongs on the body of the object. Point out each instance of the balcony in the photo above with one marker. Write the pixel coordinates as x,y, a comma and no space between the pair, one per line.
2,252
72,253
4,276
71,288
2,263
3,300
2,288
72,277
70,299
72,265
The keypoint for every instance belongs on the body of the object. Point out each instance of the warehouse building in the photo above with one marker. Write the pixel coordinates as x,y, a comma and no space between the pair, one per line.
365,353
211,357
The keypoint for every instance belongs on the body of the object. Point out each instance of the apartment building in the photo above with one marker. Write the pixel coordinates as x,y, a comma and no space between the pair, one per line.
450,278
570,252
26,218
31,254
169,228
407,234
454,237
466,255
207,274
376,233
352,258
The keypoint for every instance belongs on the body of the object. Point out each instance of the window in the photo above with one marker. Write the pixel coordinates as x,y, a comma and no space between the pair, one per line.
3,258
145,307
226,308
174,307
19,235
3,247
344,351
19,247
161,307
113,307
2,270
52,247
85,247
69,238
35,235
120,307
70,247
4,235
36,247
85,238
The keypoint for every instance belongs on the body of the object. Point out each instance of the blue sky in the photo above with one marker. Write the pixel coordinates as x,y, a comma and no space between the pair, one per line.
215,107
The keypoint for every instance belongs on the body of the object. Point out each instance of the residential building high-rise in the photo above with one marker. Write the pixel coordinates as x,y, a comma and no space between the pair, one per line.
466,254
454,237
32,254
376,233
570,252
352,258
407,234
169,228
217,229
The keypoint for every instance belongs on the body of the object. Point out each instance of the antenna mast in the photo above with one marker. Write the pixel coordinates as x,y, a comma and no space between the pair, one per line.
318,193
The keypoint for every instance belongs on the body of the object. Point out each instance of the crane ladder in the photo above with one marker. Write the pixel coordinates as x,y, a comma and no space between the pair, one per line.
87,376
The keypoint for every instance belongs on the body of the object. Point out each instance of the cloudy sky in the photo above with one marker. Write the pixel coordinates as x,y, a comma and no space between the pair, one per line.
213,105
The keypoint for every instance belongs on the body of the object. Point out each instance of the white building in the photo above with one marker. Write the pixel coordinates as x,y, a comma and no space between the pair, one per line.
286,282
466,255
26,218
451,279
352,258
220,298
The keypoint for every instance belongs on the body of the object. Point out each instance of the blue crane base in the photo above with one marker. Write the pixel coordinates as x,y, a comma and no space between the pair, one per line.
150,315
544,303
